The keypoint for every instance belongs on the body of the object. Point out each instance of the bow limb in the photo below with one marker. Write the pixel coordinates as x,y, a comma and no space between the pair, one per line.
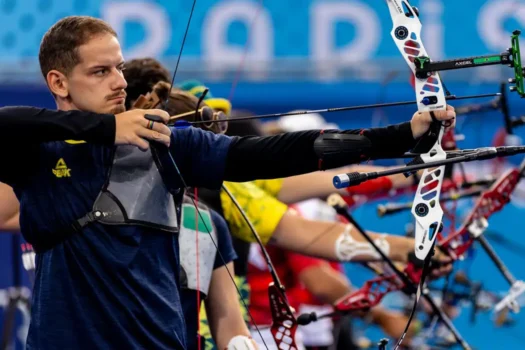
284,324
430,96
286,329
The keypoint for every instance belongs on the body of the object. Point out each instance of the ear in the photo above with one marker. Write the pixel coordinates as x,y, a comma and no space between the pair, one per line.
57,83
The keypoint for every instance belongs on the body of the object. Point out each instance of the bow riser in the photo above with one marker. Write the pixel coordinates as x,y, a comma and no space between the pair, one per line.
430,96
374,290
284,324
369,295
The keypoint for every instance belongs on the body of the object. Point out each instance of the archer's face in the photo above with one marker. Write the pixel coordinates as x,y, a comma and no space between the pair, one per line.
97,84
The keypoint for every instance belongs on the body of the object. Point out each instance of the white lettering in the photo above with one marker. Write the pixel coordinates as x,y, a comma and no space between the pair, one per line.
327,58
220,55
491,19
463,63
151,16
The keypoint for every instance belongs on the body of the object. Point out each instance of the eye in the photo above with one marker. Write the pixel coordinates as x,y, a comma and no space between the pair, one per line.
100,72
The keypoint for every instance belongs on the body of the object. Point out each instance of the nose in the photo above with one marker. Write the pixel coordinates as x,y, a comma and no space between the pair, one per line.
119,83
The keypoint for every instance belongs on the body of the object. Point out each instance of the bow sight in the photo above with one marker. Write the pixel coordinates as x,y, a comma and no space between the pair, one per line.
512,58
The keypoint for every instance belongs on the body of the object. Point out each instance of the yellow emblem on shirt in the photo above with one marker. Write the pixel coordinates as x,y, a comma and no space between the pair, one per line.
61,169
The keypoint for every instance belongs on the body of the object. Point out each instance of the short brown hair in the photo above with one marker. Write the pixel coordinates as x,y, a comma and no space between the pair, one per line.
59,46
141,75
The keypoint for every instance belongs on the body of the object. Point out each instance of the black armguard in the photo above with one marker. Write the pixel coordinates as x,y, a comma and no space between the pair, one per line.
338,149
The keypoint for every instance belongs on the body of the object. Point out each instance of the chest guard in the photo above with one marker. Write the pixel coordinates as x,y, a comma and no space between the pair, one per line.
197,250
135,193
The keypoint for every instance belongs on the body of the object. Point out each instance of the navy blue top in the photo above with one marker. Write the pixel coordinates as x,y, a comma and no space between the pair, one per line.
109,287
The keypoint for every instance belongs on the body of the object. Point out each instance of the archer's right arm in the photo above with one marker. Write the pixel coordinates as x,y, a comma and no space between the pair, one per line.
30,125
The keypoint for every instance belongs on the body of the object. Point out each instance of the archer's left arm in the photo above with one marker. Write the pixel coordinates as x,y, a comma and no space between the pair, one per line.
302,152
206,159
289,154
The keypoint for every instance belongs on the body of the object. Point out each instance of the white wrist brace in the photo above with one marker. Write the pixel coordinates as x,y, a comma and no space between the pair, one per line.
241,342
347,248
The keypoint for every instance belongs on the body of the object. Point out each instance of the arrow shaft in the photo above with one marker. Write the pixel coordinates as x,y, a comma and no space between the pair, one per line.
341,109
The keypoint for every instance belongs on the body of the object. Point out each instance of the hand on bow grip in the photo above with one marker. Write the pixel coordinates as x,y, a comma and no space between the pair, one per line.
421,121
440,265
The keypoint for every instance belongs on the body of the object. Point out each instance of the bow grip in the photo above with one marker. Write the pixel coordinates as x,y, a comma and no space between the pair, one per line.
428,140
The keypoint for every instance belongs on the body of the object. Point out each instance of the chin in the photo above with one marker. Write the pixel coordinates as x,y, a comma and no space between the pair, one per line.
118,109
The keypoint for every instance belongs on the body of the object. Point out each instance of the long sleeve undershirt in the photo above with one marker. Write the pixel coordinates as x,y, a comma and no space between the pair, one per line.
293,153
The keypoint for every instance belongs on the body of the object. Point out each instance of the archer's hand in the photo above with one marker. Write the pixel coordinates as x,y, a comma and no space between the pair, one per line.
441,264
420,122
132,128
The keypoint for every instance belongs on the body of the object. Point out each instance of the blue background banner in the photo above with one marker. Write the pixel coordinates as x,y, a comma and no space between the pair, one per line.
276,56
293,40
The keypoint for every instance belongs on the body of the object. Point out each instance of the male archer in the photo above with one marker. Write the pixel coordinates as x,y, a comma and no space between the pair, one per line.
106,236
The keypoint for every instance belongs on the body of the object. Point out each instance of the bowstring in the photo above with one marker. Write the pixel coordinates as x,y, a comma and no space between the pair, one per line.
187,190
271,268
245,52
